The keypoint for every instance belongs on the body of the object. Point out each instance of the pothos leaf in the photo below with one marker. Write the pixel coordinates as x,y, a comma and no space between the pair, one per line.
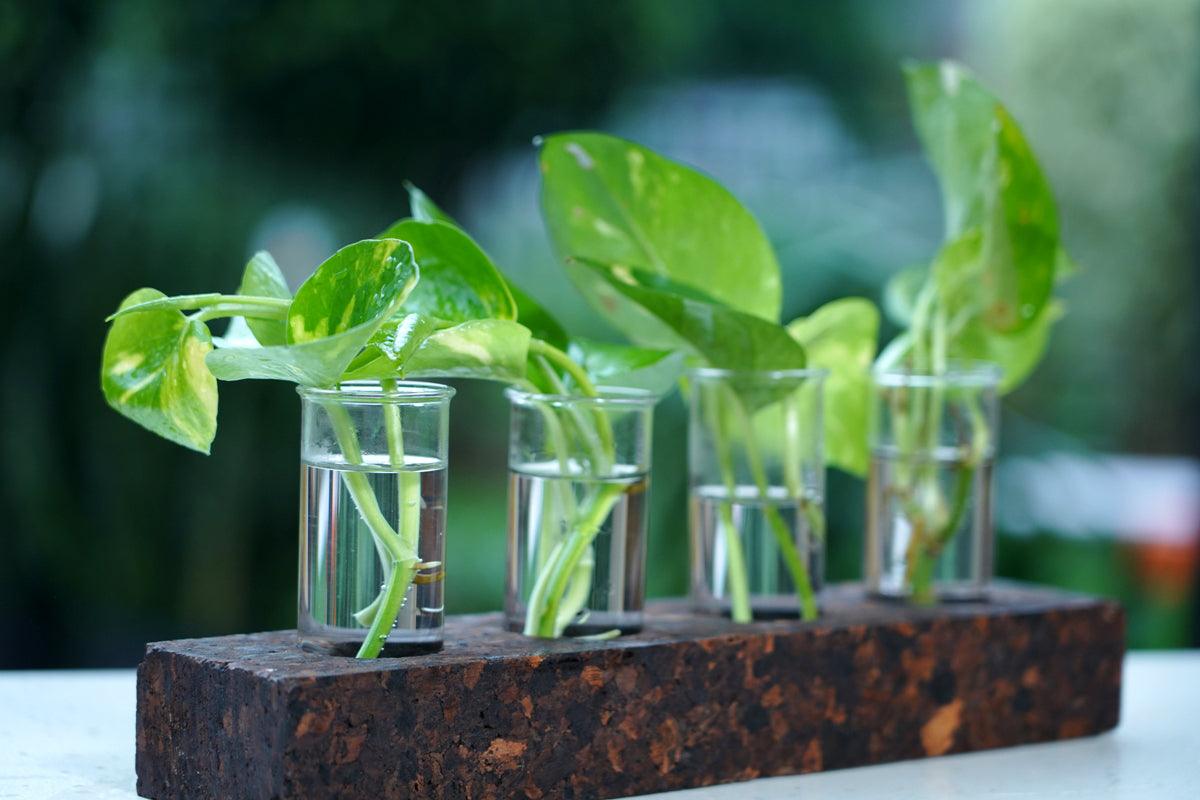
459,281
540,322
425,210
419,346
721,336
990,181
333,316
486,349
622,365
900,294
263,278
153,372
841,336
611,201
529,312
1016,354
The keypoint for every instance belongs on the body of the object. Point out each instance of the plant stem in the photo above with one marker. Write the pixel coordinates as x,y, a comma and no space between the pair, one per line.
739,584
927,554
586,387
236,305
543,611
403,558
551,606
783,536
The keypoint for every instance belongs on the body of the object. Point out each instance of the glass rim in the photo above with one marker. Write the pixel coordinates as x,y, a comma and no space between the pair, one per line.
369,391
958,373
770,374
607,397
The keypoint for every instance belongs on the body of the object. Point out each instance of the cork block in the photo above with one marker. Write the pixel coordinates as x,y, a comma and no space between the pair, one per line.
690,701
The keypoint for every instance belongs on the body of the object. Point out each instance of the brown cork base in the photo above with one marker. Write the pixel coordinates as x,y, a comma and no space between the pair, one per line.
689,701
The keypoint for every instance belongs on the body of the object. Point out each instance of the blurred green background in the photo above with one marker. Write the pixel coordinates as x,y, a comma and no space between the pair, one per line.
160,143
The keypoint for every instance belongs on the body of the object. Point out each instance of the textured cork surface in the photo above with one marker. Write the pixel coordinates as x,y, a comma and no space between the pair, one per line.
690,701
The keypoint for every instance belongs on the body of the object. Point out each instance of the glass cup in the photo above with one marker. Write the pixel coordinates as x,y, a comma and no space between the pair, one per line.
578,503
929,495
373,517
756,492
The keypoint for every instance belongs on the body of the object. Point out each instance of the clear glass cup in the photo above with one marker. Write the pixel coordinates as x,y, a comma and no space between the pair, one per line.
373,517
929,494
578,503
756,492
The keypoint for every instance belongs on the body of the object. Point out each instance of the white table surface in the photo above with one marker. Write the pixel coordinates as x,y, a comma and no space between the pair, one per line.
69,736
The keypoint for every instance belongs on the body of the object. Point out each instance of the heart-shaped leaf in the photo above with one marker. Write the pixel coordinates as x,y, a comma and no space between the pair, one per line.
485,349
425,210
333,316
610,201
841,337
622,365
529,312
153,372
1017,354
459,281
721,336
540,322
263,278
991,182
422,347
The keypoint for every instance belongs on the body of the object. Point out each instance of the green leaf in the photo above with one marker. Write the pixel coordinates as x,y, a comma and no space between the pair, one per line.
957,271
540,322
611,201
459,281
1020,243
333,316
722,337
422,347
487,349
153,372
425,210
954,117
263,278
394,343
990,181
1017,354
622,365
900,294
841,336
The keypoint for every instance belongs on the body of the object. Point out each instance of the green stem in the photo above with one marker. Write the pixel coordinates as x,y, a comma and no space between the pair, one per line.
783,536
543,611
586,387
408,491
237,305
738,581
551,607
928,553
402,560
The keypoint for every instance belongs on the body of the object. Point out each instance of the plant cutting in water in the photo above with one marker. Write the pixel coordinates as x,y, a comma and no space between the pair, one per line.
545,367
674,261
987,296
364,316
160,369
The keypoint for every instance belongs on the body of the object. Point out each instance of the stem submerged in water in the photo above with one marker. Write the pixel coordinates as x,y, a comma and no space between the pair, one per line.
399,563
564,580
784,537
